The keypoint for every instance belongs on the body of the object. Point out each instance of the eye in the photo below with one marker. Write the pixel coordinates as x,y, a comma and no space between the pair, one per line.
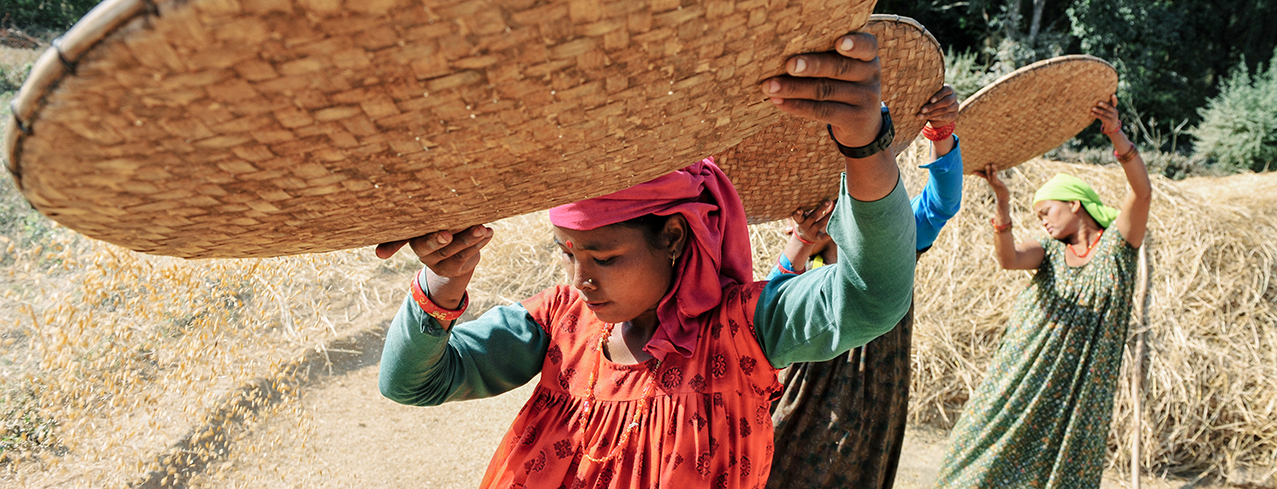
605,261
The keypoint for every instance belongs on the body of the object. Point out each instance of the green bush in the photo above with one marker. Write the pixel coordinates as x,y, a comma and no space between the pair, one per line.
45,14
964,72
1238,130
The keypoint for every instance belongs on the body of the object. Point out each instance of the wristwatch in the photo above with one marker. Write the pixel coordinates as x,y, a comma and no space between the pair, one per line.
885,136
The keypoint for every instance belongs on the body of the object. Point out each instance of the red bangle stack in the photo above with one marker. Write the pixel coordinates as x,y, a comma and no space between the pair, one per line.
1124,158
444,316
999,227
1114,131
938,133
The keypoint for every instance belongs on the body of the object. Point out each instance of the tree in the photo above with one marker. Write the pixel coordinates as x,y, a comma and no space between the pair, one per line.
44,14
1238,129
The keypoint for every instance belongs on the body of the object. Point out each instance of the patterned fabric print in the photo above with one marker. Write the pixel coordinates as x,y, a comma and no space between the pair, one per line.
841,423
1041,416
703,429
838,426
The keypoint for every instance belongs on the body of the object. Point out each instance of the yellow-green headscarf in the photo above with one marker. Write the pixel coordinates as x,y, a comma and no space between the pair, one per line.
1068,188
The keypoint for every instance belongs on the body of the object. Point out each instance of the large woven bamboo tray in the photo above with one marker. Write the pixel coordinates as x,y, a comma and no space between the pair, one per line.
802,165
238,128
1032,110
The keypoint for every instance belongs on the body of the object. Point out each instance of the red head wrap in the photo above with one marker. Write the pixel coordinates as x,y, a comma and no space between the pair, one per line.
717,253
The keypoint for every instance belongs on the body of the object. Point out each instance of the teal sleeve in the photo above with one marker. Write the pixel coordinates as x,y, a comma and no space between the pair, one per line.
816,316
424,364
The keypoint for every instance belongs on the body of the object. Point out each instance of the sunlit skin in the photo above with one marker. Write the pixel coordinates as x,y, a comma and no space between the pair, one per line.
622,278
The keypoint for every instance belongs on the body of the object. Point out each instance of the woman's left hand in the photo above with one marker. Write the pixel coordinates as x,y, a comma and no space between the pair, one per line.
840,88
1106,112
942,109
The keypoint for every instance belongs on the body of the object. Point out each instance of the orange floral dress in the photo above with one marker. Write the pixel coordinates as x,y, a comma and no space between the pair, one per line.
707,423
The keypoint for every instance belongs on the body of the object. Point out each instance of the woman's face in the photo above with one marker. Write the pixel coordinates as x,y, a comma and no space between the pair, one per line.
1059,218
620,275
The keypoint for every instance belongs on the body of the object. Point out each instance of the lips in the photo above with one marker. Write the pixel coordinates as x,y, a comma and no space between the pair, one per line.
595,305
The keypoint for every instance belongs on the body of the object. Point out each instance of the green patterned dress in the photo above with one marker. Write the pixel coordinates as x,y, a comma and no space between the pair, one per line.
1041,416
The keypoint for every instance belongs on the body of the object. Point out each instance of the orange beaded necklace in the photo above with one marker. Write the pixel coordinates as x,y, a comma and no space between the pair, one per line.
640,413
1088,248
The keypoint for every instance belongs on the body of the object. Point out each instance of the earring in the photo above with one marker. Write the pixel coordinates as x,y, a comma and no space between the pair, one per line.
673,260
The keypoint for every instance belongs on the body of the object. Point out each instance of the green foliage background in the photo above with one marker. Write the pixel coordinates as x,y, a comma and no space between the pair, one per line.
1239,127
1172,56
43,14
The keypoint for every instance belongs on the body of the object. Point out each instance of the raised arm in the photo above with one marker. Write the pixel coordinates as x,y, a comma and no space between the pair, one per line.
1027,255
428,362
1132,221
817,315
941,198
841,88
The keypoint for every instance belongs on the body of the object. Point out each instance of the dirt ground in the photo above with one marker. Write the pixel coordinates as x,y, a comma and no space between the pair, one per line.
340,432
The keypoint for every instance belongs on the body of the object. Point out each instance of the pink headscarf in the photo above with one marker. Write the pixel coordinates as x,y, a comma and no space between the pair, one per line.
716,256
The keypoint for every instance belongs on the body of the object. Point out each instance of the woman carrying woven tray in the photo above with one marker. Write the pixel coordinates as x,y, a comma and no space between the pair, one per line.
841,423
1041,416
656,361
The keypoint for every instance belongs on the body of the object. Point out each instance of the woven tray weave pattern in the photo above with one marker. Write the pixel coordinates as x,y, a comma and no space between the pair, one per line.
1032,110
225,128
792,164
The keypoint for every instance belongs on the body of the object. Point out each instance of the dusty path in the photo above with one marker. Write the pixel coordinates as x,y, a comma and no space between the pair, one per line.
340,432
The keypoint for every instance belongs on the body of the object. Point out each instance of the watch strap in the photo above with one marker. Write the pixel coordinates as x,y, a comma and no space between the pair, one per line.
886,134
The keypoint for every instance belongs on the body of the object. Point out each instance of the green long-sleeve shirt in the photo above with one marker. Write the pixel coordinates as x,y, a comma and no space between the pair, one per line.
799,318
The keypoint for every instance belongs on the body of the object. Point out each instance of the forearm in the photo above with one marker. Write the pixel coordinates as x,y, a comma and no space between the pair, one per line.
445,292
870,179
797,253
1004,241
942,147
425,364
1135,169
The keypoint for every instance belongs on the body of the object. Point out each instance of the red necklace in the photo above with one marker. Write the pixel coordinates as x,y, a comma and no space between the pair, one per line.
640,413
1088,248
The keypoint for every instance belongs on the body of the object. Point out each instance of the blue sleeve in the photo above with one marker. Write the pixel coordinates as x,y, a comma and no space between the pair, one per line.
784,262
424,364
941,198
829,310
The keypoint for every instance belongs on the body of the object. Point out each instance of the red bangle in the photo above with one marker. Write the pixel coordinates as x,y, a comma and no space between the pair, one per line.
1115,131
782,268
800,238
999,227
440,314
938,133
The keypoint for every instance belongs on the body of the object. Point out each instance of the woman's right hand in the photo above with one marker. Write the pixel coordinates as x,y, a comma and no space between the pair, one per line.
447,254
450,258
990,175
809,227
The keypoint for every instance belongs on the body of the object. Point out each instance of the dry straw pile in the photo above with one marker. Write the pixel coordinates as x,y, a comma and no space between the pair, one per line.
117,356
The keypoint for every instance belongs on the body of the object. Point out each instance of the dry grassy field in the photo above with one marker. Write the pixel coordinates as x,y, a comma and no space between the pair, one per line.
119,369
